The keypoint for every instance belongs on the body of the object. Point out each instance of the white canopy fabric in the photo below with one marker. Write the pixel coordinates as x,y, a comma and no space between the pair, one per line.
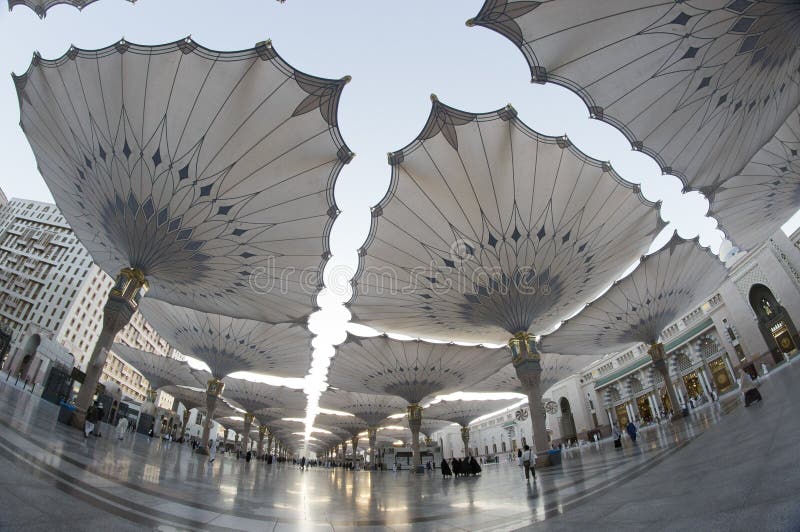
190,397
160,371
350,425
228,344
751,206
699,86
40,7
411,369
464,412
371,408
640,306
256,396
212,172
490,229
429,426
554,368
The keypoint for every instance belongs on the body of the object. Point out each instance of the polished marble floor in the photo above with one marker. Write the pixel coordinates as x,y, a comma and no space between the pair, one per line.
726,468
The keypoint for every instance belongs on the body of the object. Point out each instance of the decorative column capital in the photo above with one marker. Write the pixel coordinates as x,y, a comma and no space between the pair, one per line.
465,435
248,418
659,356
414,415
262,431
372,433
214,387
151,395
524,350
130,286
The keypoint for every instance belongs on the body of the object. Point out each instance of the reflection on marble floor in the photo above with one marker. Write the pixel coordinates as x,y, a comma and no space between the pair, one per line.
726,468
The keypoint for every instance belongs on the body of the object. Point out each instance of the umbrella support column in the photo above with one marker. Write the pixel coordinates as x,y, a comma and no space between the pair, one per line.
526,360
121,305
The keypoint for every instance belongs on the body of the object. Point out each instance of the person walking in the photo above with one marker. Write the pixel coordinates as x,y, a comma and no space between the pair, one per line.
212,451
519,457
617,436
528,459
631,430
748,388
122,427
91,419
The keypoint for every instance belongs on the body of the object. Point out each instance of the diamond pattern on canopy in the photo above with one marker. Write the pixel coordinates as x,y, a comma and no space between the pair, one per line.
372,408
160,371
228,344
259,397
751,206
464,412
412,369
40,7
490,229
699,86
640,306
554,368
211,172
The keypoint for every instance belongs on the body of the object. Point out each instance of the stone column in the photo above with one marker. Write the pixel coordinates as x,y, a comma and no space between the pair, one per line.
344,449
658,355
186,414
465,439
354,442
248,423
213,391
525,357
414,415
372,435
121,305
262,431
269,444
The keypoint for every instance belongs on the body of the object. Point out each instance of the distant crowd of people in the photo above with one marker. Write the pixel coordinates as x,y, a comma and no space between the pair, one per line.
459,467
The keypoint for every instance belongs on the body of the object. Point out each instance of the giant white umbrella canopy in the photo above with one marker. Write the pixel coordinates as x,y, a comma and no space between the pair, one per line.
752,205
370,407
490,229
554,368
40,7
160,371
203,176
464,412
350,425
411,370
429,426
228,344
210,172
492,232
255,397
638,308
700,86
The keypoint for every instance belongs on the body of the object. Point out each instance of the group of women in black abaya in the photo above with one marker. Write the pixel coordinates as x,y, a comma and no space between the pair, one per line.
460,467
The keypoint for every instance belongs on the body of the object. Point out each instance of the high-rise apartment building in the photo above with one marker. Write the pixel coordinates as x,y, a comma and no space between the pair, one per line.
52,297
